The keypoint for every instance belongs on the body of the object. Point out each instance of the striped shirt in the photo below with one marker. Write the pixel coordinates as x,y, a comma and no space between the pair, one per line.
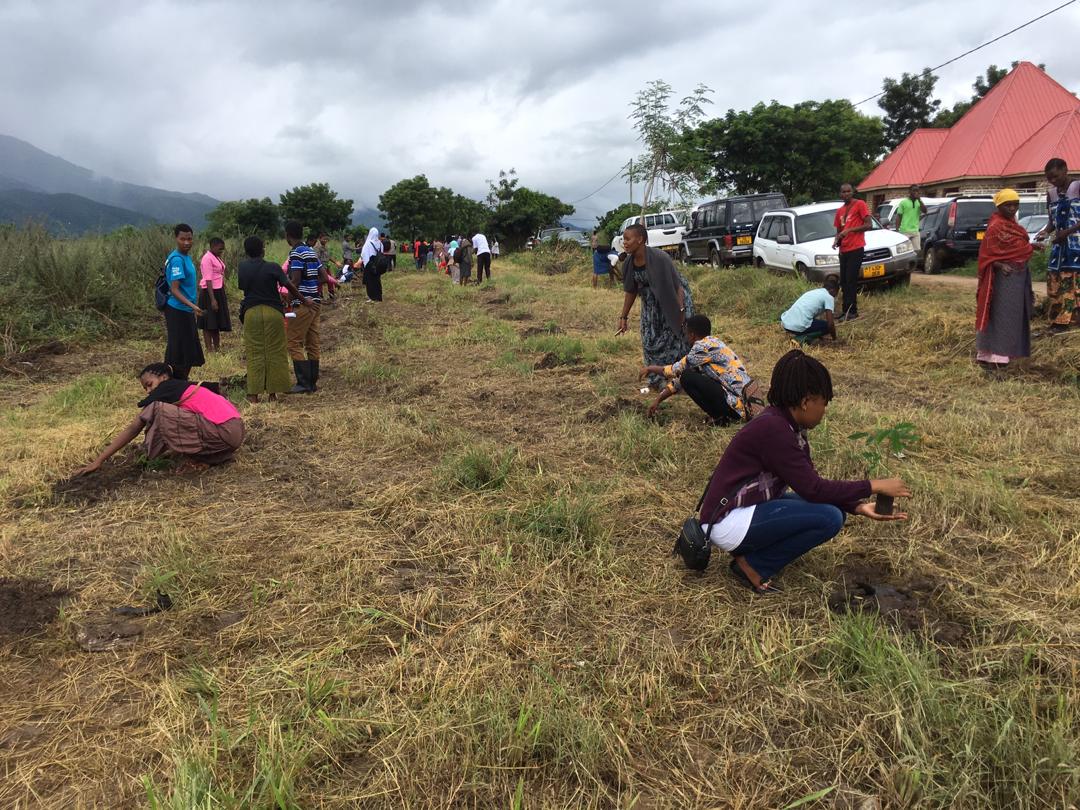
712,357
305,261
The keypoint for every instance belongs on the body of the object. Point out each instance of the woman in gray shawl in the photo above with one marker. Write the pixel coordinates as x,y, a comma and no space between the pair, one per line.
665,301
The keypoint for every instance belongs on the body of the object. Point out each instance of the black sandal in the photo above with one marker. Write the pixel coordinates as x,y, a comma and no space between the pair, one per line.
766,587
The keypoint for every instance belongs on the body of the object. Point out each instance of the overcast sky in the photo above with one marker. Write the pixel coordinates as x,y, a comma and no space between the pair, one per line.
238,98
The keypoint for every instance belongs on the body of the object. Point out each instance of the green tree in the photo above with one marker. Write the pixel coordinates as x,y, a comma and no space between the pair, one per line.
316,206
521,216
259,217
221,221
502,191
908,104
982,85
661,130
244,218
806,150
412,208
609,223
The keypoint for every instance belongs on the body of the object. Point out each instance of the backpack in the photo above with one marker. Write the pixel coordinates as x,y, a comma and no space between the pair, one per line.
162,289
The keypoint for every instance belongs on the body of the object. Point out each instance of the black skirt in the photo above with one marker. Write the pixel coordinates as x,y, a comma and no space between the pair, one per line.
182,347
214,321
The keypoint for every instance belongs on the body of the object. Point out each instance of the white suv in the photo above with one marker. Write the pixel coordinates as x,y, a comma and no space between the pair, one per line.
666,230
801,239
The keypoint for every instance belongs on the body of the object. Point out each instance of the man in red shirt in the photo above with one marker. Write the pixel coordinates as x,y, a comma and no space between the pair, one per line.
852,221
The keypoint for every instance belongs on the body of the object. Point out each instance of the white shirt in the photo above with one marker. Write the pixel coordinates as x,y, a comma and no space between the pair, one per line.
731,531
480,244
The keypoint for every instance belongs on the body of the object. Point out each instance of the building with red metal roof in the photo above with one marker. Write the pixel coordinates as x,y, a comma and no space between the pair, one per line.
1004,140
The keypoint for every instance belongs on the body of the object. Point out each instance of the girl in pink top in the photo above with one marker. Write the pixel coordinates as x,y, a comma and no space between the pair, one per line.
180,418
212,300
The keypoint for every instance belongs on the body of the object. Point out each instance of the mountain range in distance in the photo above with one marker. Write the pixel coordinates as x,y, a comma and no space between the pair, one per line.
36,186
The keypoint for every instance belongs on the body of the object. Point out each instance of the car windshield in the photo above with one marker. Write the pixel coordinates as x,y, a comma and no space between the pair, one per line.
973,212
1029,207
1034,223
747,212
818,225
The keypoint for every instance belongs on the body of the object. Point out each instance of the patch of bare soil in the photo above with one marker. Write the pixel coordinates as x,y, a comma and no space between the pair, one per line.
107,634
120,469
27,605
613,407
905,604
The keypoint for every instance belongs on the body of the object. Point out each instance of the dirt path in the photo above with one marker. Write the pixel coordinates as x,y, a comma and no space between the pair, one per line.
963,281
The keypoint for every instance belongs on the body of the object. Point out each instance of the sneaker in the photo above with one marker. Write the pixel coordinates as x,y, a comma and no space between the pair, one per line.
848,317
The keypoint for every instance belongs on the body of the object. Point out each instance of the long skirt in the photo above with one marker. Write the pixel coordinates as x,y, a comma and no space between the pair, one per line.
659,344
182,347
1008,333
1063,297
373,283
219,321
171,428
264,348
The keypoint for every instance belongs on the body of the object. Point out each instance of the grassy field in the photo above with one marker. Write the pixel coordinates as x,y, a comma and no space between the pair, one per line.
444,581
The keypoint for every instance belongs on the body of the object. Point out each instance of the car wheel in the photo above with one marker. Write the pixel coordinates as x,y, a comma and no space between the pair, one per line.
684,257
932,261
714,258
902,280
759,263
803,271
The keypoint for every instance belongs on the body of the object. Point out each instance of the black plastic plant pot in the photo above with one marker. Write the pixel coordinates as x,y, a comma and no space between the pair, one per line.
884,505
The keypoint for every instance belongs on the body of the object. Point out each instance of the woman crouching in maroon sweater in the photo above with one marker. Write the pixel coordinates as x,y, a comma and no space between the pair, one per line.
746,511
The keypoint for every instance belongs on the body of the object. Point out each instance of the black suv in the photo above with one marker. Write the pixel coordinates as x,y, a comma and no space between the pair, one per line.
951,233
722,231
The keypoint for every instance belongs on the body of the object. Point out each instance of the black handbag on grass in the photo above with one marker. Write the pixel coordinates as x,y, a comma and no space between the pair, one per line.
693,543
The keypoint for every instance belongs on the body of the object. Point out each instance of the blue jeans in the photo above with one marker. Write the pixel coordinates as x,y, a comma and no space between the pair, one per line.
784,529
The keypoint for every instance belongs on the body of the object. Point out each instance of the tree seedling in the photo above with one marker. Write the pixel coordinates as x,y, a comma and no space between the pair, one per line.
879,445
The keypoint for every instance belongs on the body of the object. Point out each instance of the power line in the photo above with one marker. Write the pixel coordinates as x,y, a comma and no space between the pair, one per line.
617,174
977,48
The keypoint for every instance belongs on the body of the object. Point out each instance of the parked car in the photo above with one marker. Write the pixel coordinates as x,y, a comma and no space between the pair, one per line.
801,239
951,233
1031,204
722,231
887,210
547,234
577,237
1034,223
666,230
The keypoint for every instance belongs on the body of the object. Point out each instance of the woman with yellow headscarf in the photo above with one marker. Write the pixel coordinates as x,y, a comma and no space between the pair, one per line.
1004,298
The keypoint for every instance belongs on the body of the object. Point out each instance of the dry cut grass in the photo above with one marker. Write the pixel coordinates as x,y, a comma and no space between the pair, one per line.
443,581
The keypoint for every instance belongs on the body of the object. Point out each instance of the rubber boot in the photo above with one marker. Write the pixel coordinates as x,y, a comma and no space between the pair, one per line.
313,365
303,380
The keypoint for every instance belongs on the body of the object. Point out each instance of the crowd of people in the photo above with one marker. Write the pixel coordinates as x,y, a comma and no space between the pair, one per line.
765,503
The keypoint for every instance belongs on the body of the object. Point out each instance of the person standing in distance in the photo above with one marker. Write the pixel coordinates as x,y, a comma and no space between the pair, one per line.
483,257
308,275
852,221
182,349
909,213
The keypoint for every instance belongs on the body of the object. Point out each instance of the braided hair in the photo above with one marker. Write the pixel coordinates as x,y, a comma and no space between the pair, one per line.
797,376
157,370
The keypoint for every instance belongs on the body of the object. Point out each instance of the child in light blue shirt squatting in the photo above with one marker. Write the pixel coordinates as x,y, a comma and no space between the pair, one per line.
802,320
711,374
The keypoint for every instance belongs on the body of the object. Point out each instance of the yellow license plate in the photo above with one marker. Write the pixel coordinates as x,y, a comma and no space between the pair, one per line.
744,240
980,234
873,271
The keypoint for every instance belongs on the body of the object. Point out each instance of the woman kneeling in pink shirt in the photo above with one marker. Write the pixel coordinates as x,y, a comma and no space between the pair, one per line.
181,418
